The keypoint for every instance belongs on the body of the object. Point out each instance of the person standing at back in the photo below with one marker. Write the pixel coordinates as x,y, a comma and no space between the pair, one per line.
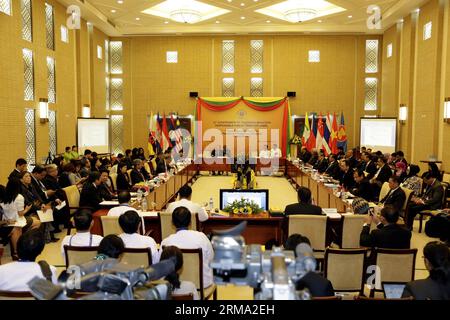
21,166
190,239
304,205
185,195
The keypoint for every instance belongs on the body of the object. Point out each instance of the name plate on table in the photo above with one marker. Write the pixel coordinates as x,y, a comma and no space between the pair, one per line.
148,213
331,213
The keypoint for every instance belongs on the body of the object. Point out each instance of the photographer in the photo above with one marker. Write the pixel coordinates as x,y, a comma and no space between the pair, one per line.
317,285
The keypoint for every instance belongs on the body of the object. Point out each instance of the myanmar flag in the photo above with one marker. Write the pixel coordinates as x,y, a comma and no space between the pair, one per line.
306,132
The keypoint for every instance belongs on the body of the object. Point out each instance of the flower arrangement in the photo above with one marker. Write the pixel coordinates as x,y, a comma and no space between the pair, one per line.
296,139
242,206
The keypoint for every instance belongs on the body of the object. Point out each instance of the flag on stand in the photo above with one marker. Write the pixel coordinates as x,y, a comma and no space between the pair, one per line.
165,135
151,136
319,136
306,132
178,137
158,134
342,136
333,136
312,136
326,135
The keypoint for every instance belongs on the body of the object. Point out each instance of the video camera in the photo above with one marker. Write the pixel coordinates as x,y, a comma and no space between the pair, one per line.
273,274
109,280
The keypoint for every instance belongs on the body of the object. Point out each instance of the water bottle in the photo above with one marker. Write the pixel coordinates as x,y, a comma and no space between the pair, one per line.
144,204
139,195
211,204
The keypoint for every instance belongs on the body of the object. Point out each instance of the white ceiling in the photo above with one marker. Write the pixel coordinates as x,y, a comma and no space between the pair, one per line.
123,22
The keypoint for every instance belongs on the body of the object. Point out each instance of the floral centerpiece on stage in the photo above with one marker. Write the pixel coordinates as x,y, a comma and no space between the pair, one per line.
296,140
243,206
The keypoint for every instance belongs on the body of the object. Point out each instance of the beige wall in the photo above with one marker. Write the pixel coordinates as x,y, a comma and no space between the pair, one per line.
335,84
418,75
72,82
422,69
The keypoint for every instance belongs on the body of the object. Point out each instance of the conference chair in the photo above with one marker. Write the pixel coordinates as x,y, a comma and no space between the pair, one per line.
167,227
409,194
384,191
395,265
71,195
79,255
147,167
113,179
110,225
16,295
182,297
141,257
193,271
430,213
351,230
345,268
313,227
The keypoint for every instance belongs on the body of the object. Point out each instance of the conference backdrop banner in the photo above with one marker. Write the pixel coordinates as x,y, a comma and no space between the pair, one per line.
261,121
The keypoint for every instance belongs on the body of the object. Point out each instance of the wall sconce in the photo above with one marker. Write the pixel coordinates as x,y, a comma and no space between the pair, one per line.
86,111
43,110
447,110
403,113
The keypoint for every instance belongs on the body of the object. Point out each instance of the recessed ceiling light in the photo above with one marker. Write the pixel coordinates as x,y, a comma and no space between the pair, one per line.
242,18
217,21
242,4
350,17
417,10
255,0
268,21
138,19
120,2
113,11
230,0
166,22
319,21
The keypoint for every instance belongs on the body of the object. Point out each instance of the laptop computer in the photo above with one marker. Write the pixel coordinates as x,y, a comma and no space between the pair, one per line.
393,290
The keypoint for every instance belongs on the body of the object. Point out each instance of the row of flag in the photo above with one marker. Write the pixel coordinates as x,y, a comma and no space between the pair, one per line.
163,134
324,133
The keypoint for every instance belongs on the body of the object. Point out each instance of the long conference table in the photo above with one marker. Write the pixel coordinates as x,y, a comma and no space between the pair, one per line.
261,228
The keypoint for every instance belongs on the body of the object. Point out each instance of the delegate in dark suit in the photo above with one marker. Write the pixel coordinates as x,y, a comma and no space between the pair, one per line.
123,182
426,289
391,236
137,176
432,198
15,174
363,190
371,169
161,167
347,180
321,165
302,208
395,198
333,170
318,286
384,175
90,196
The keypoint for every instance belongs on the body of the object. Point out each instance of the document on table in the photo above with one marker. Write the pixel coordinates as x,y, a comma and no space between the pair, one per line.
109,203
331,213
20,222
46,216
62,205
